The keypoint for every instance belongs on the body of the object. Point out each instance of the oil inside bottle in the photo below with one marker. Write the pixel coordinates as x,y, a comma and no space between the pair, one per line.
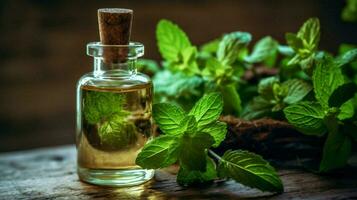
116,124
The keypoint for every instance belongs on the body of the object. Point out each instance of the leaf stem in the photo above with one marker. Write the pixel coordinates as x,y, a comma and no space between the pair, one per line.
214,154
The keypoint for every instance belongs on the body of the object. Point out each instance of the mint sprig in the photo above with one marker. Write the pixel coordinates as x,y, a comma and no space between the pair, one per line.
329,112
305,44
187,139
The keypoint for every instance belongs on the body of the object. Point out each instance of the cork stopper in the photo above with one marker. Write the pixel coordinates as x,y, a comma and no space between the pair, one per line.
114,29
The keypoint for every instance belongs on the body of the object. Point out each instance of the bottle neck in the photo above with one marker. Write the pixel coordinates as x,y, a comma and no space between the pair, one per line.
101,67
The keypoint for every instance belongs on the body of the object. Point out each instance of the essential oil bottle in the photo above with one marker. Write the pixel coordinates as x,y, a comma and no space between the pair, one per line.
114,104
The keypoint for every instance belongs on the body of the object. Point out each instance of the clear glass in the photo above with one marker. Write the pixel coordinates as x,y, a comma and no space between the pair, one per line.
114,122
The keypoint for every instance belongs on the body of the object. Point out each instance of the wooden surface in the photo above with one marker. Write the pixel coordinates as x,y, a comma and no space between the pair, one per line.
51,174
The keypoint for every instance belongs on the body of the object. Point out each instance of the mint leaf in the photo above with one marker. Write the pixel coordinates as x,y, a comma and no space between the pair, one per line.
310,34
285,50
230,45
193,148
250,170
307,117
257,108
159,153
98,106
265,87
342,94
188,177
263,49
347,110
337,150
148,66
305,44
116,133
168,117
349,12
346,58
188,124
178,87
327,77
186,62
211,46
171,40
207,109
297,90
217,130
294,42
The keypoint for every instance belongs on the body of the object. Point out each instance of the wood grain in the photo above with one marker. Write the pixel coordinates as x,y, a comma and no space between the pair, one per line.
50,174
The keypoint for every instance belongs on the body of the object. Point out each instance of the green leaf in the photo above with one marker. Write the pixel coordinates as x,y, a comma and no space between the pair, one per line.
349,12
98,106
188,177
116,133
310,34
285,50
263,49
148,66
168,117
207,109
193,148
177,87
257,108
230,45
211,46
188,124
297,90
346,110
346,58
336,152
171,40
342,94
187,62
249,169
159,153
217,130
231,99
305,44
307,117
294,42
327,77
265,87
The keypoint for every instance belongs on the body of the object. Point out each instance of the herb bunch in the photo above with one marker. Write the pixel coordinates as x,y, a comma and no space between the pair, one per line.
307,79
187,139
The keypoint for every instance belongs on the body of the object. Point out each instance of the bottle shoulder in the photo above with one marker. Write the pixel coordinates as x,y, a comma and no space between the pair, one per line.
114,79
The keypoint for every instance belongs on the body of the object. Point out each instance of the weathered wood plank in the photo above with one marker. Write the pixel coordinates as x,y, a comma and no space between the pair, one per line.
50,174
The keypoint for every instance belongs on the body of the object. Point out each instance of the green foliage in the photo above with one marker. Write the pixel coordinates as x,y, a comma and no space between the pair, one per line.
230,45
187,177
327,77
250,170
177,87
265,49
171,40
349,12
305,44
308,117
333,105
313,90
188,144
105,110
275,96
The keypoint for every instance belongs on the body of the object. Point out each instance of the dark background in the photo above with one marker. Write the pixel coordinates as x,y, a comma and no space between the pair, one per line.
42,50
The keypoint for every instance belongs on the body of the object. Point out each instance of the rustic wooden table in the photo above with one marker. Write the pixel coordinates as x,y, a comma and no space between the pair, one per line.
50,173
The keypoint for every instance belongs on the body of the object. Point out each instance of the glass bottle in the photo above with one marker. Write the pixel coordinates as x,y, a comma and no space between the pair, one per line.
114,104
